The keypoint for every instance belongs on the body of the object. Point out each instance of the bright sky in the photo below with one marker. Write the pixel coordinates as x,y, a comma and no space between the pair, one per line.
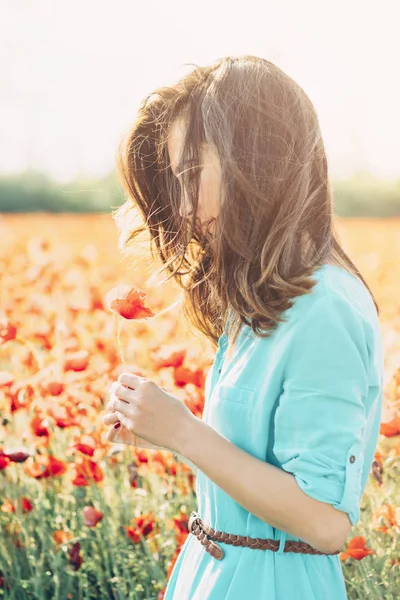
73,73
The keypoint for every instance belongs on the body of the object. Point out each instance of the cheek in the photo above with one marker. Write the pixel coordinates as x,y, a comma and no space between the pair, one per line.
184,208
209,195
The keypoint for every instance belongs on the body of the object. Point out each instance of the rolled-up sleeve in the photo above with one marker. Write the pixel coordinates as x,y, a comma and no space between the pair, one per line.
321,417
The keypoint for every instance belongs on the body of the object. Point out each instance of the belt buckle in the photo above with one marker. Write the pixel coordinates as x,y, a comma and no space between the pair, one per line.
210,546
193,516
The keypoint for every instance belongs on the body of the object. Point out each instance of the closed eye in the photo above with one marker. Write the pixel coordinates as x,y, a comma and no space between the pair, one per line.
185,171
187,162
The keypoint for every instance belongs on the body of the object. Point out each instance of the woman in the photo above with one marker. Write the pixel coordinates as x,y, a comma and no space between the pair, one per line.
229,172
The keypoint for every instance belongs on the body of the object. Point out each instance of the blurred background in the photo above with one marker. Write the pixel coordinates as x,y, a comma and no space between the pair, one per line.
81,517
73,75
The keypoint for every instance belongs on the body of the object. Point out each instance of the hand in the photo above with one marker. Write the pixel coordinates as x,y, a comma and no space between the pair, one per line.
150,412
122,435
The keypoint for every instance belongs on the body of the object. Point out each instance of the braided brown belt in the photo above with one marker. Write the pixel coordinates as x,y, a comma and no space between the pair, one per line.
208,537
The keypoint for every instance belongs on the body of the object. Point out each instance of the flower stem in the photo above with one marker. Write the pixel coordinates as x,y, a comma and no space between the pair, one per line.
121,350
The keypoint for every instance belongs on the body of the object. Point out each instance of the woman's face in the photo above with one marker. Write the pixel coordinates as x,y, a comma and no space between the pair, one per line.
210,176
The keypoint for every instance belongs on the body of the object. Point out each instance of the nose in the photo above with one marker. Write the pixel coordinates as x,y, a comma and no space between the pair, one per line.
183,211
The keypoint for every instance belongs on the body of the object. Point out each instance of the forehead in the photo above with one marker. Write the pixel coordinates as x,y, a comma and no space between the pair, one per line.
175,140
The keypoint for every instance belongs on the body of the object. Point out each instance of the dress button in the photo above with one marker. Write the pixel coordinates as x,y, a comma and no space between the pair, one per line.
352,458
219,370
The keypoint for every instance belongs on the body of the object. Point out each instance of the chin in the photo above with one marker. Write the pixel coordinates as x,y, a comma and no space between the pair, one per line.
210,224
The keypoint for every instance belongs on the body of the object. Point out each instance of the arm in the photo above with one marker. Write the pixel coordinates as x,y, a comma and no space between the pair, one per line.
266,491
186,461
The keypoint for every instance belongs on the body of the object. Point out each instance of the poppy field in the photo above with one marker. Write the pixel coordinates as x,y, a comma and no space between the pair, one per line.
81,517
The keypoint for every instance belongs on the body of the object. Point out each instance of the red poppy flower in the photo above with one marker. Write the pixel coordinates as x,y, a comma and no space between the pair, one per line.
62,537
75,558
18,455
76,361
91,516
128,302
54,387
45,466
38,427
7,330
357,548
86,471
4,461
168,356
27,505
390,428
8,506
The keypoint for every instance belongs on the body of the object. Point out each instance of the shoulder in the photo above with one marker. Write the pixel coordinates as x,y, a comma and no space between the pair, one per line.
341,311
335,289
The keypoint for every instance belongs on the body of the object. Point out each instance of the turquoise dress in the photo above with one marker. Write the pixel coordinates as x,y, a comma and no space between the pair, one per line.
307,400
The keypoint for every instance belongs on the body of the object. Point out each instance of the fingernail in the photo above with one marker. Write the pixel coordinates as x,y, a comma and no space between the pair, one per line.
117,425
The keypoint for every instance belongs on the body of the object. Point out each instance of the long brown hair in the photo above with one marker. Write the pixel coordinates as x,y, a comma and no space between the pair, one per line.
275,224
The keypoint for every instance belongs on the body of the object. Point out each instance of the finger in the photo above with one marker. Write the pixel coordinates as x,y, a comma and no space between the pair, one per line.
121,406
111,403
122,392
112,387
113,434
130,380
111,390
110,418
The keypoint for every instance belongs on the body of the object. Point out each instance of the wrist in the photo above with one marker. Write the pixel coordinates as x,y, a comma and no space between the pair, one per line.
190,434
